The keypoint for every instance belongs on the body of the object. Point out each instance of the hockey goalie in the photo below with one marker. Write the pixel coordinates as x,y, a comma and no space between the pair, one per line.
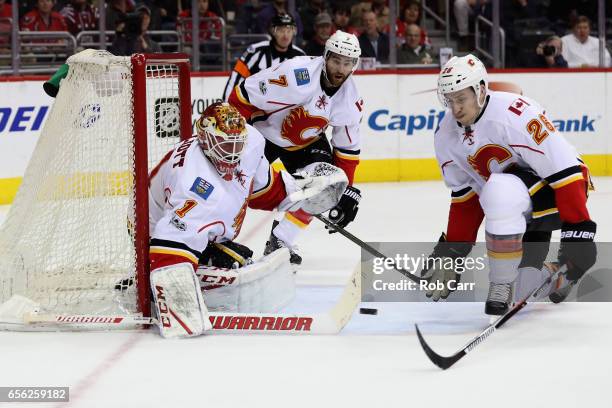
198,197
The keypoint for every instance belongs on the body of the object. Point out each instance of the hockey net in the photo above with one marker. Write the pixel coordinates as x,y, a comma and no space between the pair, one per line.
76,237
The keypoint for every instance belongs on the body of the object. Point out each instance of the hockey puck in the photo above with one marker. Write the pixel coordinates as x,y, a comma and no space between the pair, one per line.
365,310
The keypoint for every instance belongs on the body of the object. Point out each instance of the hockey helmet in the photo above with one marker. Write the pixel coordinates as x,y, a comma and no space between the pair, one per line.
344,44
222,134
461,73
280,20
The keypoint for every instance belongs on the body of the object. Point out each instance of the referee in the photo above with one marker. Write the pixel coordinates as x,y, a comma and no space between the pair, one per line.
265,54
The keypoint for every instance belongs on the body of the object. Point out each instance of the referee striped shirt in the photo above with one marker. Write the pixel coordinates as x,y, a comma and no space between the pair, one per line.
257,57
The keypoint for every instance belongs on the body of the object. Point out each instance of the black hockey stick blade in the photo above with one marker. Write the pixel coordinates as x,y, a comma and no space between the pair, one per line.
446,362
440,361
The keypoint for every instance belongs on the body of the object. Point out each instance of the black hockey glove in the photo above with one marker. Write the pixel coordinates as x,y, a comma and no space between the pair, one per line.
346,209
227,254
442,272
577,250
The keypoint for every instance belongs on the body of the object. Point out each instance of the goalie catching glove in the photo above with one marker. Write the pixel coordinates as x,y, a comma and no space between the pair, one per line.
442,272
315,189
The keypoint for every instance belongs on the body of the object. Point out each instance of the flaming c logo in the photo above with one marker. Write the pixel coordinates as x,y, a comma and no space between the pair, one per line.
297,122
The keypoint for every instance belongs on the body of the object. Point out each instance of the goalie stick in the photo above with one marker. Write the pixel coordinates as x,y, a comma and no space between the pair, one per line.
446,362
331,321
367,247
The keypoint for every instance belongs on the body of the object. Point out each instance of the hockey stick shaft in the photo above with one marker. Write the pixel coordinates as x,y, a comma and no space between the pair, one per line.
365,246
227,322
330,321
446,362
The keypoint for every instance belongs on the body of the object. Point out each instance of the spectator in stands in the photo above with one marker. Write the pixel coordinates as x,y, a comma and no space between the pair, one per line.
131,34
357,11
580,50
43,18
265,54
80,16
411,14
342,19
210,25
6,9
412,52
374,43
322,30
308,13
157,13
272,9
549,54
379,7
116,11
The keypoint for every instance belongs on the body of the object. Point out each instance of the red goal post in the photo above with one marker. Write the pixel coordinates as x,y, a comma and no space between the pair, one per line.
140,74
75,240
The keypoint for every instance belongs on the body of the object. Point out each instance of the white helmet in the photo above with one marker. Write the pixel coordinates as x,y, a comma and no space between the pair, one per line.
460,73
222,135
344,44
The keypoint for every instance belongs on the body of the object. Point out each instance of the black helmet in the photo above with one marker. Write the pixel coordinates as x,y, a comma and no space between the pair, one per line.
282,20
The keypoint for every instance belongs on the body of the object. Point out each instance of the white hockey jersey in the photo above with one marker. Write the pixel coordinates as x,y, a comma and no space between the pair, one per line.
288,106
512,130
190,204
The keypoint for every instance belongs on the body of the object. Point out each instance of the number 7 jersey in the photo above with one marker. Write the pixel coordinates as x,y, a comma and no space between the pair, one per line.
288,105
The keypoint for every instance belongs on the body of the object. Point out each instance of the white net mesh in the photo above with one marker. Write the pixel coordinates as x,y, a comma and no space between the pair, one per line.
65,242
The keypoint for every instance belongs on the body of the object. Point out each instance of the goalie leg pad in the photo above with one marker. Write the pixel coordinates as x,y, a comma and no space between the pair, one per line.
261,287
178,301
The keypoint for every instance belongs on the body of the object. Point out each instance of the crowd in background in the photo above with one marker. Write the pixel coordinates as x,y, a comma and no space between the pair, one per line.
539,33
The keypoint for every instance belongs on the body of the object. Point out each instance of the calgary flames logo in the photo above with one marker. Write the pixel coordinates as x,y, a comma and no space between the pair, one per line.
481,160
298,122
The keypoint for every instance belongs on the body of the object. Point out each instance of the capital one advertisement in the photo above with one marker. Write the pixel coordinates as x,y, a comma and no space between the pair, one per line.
400,116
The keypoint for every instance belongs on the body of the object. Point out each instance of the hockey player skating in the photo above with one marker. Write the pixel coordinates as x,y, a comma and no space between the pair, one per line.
292,105
504,161
198,198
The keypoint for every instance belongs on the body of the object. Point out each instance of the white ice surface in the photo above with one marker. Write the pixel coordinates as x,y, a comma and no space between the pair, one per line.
549,355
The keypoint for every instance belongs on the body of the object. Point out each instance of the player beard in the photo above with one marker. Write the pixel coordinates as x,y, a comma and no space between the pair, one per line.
334,80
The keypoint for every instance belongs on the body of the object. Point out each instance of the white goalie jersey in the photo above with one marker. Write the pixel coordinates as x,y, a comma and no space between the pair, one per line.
190,204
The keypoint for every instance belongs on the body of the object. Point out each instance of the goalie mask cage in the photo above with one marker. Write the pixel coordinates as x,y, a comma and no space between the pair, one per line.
76,237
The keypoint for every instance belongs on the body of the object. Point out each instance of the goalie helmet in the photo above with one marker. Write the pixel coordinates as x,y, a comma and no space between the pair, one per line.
222,135
461,73
344,44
